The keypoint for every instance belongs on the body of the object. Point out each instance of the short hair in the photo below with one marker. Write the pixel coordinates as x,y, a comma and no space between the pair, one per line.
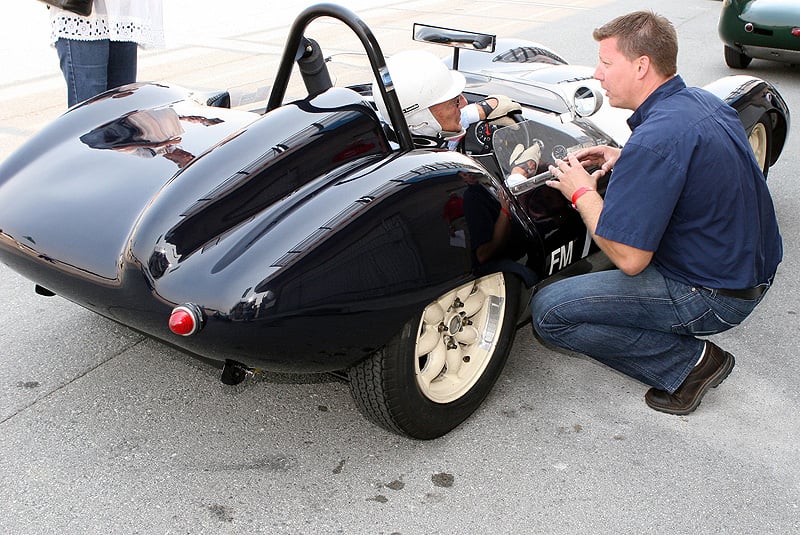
644,33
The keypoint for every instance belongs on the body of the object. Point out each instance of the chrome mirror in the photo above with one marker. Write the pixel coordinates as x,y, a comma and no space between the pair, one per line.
586,101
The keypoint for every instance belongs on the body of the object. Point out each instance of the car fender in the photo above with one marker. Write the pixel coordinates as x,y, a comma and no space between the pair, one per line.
752,98
285,229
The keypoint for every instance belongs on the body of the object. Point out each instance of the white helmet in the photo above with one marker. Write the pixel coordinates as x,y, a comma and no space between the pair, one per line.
420,80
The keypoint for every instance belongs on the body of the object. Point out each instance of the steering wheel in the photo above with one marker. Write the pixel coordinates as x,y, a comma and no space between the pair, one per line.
478,140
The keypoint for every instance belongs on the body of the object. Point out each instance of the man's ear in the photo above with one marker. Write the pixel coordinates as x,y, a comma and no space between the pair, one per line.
642,66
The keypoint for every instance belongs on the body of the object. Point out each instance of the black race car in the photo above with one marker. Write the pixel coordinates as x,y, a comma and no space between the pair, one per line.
314,235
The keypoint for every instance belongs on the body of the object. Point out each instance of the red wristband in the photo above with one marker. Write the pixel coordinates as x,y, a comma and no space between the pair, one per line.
578,193
503,210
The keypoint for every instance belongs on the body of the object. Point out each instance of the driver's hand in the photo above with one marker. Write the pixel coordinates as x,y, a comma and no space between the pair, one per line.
498,106
526,160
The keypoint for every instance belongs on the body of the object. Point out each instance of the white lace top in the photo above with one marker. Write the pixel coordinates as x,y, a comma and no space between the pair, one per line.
139,21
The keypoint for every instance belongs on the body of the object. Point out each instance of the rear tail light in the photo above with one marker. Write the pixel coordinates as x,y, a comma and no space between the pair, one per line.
796,32
186,319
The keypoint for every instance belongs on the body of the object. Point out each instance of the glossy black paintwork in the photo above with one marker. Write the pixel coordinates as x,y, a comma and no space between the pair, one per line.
304,235
76,204
305,240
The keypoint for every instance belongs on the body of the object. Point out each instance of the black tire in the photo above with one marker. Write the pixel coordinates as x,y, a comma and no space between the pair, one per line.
760,137
736,59
393,388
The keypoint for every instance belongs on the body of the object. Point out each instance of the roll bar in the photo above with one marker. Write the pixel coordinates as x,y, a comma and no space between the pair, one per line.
295,49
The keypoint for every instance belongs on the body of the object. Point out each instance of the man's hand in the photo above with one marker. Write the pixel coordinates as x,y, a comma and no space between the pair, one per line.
570,175
601,156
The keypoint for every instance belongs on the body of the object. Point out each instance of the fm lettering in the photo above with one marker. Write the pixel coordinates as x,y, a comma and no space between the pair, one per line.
561,257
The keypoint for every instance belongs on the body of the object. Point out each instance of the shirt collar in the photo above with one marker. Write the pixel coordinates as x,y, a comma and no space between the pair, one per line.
668,88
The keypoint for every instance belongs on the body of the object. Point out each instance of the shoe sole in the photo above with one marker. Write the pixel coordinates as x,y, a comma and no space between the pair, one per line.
714,381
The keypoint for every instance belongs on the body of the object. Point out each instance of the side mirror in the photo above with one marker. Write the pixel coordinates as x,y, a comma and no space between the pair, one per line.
586,101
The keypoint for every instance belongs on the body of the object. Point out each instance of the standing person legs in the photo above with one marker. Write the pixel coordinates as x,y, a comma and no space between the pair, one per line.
122,63
92,67
85,67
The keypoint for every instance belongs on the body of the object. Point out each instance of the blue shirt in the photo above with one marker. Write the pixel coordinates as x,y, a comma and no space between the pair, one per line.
688,188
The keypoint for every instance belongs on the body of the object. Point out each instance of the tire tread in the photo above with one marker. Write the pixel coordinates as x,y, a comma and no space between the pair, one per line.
384,389
368,390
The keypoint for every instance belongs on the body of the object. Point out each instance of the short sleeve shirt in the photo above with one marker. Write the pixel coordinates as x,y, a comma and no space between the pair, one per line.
688,188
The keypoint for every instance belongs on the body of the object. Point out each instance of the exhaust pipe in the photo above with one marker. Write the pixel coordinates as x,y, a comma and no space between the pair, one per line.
234,372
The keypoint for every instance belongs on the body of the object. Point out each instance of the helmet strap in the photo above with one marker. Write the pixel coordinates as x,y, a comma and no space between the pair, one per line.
423,123
454,136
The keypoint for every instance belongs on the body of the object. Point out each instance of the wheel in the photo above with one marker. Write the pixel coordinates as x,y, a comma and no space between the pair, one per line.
441,365
736,59
760,138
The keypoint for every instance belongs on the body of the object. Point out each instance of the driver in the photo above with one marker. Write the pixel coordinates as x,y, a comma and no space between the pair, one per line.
430,97
437,115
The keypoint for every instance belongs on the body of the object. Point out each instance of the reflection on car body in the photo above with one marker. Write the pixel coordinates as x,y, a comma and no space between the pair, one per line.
312,235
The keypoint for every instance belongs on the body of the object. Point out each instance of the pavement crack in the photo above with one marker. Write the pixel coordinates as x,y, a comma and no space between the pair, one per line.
60,387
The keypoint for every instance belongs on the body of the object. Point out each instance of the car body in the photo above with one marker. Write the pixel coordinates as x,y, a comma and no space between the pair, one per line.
764,29
314,235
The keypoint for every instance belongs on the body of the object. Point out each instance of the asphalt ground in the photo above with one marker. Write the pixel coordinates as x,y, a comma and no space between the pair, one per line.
104,431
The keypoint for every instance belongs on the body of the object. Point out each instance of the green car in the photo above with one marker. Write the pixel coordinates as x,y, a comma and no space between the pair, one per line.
764,29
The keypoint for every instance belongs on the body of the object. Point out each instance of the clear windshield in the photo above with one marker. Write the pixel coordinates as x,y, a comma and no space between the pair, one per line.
530,147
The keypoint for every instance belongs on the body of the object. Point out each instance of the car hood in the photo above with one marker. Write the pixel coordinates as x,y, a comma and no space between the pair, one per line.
772,12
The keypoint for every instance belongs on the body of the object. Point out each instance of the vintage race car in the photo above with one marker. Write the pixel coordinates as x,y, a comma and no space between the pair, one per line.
314,235
764,29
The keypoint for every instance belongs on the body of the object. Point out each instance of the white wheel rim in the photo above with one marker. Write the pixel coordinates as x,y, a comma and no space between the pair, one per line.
457,337
758,141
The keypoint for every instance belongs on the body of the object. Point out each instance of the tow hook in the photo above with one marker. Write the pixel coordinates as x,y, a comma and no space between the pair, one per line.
234,372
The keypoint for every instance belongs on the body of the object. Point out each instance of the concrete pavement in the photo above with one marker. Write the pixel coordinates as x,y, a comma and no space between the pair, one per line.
103,431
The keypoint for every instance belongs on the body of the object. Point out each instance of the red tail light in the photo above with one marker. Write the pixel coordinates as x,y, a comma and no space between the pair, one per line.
186,320
796,32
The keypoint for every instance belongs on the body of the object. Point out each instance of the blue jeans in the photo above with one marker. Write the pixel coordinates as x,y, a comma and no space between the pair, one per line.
92,67
644,326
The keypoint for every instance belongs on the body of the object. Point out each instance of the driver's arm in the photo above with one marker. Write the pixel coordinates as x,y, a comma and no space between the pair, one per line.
490,108
497,106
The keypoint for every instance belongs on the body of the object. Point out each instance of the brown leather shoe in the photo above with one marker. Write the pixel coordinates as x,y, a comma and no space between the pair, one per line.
715,367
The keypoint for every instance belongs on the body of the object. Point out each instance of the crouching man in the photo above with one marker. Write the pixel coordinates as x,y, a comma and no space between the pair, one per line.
687,219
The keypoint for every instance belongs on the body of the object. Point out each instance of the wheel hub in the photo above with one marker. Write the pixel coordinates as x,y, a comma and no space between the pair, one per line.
456,324
457,337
